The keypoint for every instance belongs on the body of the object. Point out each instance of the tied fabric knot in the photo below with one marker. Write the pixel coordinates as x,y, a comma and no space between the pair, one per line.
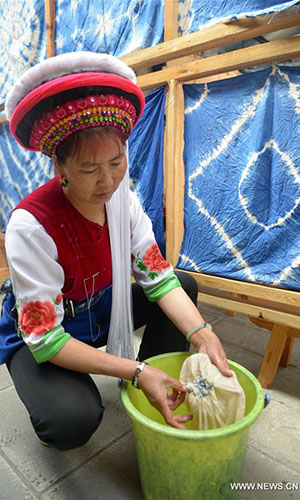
213,399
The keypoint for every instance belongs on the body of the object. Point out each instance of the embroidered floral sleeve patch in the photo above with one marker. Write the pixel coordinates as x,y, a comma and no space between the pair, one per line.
152,261
37,318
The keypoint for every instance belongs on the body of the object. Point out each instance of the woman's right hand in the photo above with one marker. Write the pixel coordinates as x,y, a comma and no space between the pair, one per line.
155,383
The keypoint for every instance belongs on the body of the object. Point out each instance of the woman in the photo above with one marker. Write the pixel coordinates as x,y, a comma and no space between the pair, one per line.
71,246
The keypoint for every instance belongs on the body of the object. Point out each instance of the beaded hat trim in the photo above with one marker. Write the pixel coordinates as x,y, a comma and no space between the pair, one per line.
78,114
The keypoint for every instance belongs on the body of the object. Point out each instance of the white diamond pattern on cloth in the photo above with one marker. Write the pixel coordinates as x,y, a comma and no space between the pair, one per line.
247,213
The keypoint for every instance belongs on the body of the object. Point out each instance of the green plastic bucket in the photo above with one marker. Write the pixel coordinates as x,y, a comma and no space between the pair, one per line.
177,464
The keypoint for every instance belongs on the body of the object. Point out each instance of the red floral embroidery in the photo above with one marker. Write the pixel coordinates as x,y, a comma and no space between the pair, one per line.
58,299
154,260
37,317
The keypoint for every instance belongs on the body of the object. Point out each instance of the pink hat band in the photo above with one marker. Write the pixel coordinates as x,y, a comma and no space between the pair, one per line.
78,114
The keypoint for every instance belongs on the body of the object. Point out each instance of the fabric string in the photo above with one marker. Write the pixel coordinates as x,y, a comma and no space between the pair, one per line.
89,299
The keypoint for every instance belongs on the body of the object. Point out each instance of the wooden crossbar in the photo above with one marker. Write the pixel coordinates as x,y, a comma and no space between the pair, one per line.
4,270
255,310
211,37
3,259
265,53
3,118
255,290
277,310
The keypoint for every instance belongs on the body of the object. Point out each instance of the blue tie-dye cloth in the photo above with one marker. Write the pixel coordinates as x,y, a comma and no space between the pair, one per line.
242,167
194,14
146,150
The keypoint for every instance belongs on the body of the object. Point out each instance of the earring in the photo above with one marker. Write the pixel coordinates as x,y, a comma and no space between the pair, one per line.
63,181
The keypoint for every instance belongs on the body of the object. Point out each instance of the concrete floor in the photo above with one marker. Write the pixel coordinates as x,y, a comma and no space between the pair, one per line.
106,467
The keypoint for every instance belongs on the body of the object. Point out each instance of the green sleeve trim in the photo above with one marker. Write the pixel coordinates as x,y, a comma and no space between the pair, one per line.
50,344
160,289
45,338
152,287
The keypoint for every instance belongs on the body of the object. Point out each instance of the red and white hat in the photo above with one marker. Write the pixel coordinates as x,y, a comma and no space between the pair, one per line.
71,92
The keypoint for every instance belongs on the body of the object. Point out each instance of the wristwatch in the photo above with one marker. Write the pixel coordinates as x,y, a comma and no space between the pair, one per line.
137,372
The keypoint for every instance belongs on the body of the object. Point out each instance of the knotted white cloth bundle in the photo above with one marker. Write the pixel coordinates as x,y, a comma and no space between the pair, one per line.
213,399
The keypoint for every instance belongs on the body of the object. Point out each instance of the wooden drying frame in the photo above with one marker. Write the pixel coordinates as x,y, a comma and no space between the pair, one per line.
269,307
273,308
50,26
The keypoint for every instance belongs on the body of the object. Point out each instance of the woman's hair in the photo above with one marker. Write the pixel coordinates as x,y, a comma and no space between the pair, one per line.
89,139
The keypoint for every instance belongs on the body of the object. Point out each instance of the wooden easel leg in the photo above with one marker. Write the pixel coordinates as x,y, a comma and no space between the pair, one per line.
273,355
287,351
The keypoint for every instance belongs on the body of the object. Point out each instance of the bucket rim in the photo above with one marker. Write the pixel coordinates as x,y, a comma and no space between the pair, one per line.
201,435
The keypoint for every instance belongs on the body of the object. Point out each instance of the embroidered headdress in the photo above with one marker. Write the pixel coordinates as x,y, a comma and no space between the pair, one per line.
61,96
71,92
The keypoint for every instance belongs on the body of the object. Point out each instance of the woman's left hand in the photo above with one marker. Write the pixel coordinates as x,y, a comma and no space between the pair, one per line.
206,341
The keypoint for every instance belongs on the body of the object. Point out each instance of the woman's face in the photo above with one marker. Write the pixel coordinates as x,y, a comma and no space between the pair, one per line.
93,178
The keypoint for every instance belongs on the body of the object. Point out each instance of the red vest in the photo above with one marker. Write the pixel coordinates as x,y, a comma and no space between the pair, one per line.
83,246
